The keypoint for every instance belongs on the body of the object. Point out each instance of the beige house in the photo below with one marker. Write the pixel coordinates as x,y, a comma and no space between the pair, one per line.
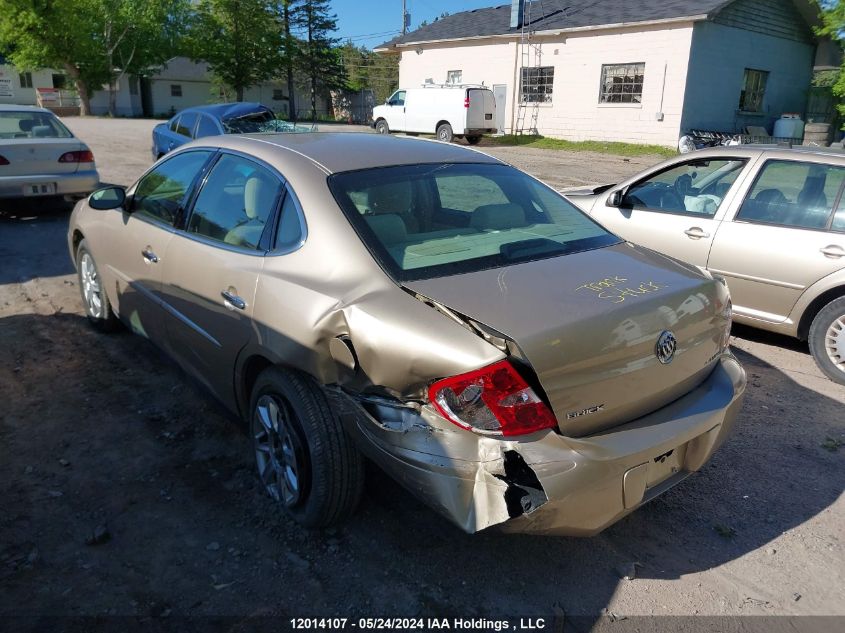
615,70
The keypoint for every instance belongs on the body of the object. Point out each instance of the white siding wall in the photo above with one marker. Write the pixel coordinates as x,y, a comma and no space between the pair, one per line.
575,112
126,104
25,96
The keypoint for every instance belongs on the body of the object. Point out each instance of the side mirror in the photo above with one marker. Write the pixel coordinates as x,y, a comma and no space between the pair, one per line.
615,198
107,198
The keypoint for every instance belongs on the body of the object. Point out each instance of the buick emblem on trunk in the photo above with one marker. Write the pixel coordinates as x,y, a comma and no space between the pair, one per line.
665,347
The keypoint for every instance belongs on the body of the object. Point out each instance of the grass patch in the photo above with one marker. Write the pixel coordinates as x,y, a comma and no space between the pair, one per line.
602,147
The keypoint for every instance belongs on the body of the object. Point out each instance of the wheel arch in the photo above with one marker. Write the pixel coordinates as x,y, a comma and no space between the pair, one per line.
444,122
815,307
76,240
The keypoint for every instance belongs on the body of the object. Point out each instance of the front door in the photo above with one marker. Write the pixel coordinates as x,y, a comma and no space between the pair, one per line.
675,211
500,92
396,111
136,247
213,267
783,239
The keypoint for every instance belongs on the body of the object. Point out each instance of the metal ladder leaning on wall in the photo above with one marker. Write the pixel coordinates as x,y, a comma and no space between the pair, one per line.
529,86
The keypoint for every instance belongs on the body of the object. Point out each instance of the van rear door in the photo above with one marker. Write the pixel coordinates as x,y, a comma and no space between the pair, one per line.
481,114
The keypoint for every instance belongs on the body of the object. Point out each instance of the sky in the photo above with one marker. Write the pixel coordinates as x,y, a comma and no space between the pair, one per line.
372,22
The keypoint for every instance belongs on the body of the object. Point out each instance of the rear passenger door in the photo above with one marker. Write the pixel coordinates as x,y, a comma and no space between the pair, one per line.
212,268
783,236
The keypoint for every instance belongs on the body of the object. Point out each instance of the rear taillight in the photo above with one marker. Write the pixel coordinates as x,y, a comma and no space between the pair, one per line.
82,156
494,400
466,101
3,160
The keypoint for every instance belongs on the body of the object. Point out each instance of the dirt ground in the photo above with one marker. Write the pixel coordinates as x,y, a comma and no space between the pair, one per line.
102,436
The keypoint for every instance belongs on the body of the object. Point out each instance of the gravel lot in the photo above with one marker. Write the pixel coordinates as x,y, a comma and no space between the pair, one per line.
104,432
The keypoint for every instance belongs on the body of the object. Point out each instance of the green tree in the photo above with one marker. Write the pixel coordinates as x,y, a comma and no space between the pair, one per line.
833,26
289,16
319,59
240,40
95,42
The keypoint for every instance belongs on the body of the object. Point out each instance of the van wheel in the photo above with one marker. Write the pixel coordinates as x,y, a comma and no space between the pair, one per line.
305,460
473,140
444,133
827,340
381,127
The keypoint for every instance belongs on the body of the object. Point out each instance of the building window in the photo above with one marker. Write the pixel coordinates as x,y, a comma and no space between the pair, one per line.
454,76
622,83
278,94
26,80
536,84
753,89
175,90
59,81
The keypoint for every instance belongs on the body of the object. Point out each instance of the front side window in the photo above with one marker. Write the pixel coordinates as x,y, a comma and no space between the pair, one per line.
186,124
235,203
536,84
496,216
622,83
454,76
397,98
753,90
162,192
792,193
31,124
694,187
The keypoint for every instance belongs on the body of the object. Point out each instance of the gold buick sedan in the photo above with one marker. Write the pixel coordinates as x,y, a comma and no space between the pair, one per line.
502,355
770,221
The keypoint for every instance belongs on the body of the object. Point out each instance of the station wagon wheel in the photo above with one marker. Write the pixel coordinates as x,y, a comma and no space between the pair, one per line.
382,127
827,340
444,133
94,297
305,460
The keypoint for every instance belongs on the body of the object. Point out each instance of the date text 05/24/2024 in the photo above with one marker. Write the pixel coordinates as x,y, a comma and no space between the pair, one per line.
419,624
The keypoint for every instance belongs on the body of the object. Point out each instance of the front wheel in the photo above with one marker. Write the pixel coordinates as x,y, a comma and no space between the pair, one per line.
473,140
305,460
382,127
827,340
444,133
94,297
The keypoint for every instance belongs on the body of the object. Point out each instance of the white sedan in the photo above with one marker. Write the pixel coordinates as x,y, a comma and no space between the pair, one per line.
40,157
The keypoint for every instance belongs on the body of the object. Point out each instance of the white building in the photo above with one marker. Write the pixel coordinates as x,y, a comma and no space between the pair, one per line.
179,83
617,70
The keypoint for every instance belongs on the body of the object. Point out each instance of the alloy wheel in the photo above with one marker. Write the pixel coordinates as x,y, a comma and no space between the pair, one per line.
91,289
834,343
279,450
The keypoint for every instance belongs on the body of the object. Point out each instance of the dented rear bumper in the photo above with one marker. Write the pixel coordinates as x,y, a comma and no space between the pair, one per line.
547,483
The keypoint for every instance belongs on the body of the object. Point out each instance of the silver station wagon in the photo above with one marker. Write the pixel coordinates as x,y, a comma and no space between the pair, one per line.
771,221
500,354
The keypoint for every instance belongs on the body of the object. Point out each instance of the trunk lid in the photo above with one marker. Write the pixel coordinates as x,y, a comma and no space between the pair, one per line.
38,156
588,324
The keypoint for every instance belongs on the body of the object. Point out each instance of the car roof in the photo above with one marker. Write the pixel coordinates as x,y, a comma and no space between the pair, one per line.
9,107
229,110
348,151
770,151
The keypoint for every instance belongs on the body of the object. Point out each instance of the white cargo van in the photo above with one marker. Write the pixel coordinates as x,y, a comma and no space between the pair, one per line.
447,111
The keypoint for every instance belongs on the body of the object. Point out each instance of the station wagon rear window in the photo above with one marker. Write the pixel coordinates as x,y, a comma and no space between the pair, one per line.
425,221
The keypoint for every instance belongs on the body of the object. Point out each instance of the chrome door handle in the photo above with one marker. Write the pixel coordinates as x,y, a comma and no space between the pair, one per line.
832,250
234,300
149,255
696,233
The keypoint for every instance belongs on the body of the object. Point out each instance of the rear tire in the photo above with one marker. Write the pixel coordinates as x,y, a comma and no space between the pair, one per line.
304,458
444,133
473,140
382,127
827,340
94,298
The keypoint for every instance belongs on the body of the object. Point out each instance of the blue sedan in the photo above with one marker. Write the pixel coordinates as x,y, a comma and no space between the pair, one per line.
213,120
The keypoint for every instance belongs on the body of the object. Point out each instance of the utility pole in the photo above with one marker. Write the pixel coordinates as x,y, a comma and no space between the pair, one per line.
404,18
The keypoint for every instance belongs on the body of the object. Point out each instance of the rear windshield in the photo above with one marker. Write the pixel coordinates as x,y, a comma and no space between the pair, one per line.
31,125
263,121
424,221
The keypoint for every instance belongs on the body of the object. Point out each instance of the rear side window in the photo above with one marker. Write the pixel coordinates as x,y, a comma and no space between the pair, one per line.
161,193
496,216
206,127
236,203
793,193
